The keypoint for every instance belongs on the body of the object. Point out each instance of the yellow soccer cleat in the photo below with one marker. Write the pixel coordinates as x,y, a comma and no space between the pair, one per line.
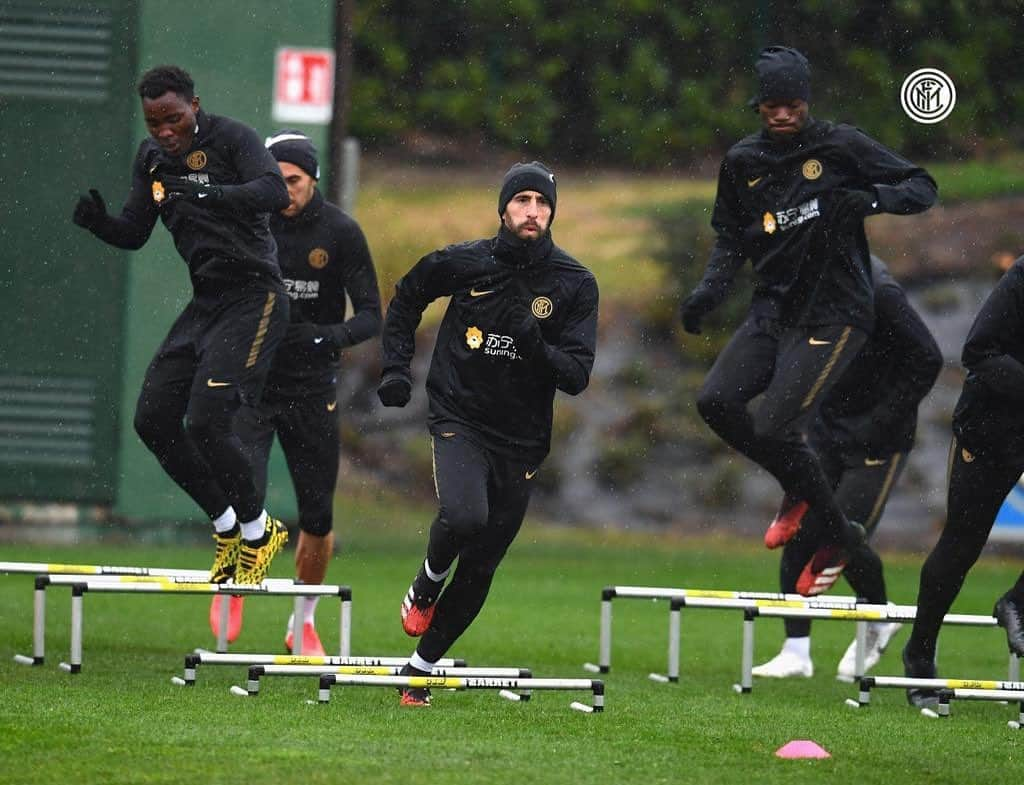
254,561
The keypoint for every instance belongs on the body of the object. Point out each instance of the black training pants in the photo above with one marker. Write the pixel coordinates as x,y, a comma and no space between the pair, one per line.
862,491
307,428
215,357
483,498
794,368
977,488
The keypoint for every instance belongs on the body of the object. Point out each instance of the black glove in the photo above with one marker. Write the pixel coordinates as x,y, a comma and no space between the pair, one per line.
194,191
91,210
694,308
395,389
755,240
305,333
525,330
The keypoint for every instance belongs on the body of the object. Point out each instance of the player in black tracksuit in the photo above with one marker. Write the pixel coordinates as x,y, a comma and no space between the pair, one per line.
863,434
792,198
323,256
520,324
986,460
212,183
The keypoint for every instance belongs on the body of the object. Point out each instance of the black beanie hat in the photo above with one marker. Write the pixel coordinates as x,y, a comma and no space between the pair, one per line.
296,148
782,73
533,176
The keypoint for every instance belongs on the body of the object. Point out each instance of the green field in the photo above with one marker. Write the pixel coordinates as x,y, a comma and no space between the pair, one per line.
121,720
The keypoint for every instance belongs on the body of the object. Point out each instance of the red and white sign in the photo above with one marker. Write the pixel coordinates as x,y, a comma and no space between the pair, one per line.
303,85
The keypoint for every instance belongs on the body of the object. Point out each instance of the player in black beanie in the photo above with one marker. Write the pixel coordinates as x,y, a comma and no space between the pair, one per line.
533,176
296,148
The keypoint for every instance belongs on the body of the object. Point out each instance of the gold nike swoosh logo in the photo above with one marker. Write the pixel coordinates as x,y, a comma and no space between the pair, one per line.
332,406
755,181
212,383
874,461
816,342
474,293
529,475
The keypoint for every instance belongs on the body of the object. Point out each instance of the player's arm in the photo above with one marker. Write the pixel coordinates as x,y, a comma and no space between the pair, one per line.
360,281
727,256
260,189
898,186
129,230
413,293
1001,319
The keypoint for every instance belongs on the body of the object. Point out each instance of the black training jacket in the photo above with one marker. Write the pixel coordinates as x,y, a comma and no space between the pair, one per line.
773,205
871,413
226,241
323,256
476,379
989,417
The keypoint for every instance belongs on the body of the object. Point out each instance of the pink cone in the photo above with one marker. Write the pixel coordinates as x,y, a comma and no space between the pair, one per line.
801,748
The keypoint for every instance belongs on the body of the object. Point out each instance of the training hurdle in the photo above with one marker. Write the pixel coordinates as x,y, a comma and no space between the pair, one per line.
258,671
97,570
160,585
199,657
503,685
754,604
950,689
679,598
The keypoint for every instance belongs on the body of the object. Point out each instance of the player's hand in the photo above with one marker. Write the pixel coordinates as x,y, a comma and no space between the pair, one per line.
694,308
304,333
192,190
91,210
395,389
525,330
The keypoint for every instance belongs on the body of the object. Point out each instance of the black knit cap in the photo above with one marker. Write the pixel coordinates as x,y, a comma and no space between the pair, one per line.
294,147
533,176
782,74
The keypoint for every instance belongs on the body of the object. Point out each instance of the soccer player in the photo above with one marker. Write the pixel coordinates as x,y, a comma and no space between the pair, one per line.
862,436
324,257
521,323
793,198
986,460
213,184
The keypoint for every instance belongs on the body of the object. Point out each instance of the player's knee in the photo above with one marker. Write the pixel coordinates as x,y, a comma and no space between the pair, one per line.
209,420
151,426
464,520
317,523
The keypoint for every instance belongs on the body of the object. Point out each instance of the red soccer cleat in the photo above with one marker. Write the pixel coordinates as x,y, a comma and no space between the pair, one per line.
234,616
311,645
822,571
786,524
417,613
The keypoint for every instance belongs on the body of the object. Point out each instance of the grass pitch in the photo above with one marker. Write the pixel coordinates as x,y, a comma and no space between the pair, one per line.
121,720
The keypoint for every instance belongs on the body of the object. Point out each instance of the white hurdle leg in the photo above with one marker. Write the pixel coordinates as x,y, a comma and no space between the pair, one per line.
298,625
860,649
1013,670
747,666
604,655
75,666
39,624
345,637
225,619
673,640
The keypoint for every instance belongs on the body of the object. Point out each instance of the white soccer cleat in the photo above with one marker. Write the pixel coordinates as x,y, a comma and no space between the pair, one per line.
785,665
878,636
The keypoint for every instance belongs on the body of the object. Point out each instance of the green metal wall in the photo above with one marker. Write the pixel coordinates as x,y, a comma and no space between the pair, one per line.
228,47
65,122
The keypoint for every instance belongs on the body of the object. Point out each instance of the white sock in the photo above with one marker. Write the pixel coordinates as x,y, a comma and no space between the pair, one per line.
801,647
253,530
436,577
420,664
309,608
226,521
